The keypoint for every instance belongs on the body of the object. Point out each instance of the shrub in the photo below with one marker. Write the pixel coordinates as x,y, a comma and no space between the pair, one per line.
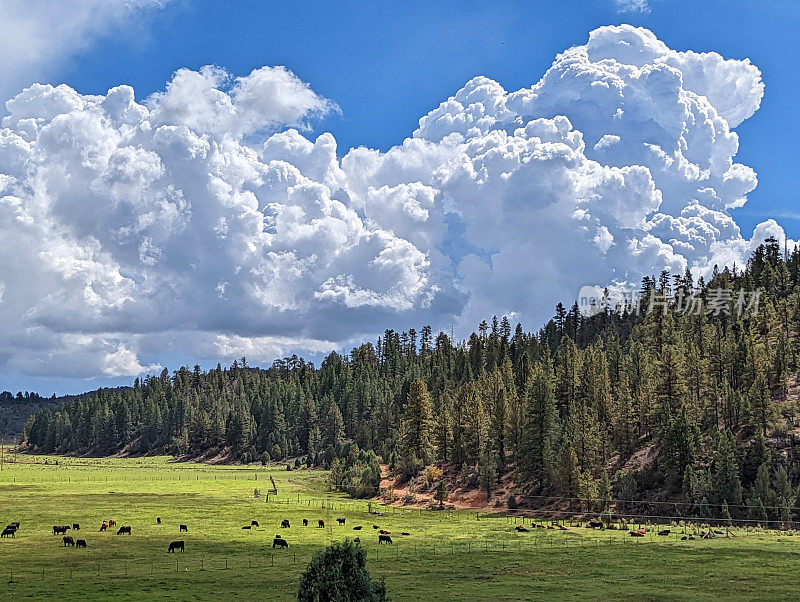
340,573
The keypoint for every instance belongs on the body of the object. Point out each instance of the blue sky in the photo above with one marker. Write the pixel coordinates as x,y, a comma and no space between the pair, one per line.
385,65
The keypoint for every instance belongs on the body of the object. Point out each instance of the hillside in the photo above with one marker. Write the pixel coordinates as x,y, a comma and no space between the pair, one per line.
686,402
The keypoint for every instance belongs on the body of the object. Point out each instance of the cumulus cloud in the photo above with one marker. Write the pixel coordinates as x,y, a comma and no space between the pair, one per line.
39,36
203,221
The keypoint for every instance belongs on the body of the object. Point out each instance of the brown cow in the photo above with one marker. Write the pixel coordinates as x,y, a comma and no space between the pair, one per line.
321,524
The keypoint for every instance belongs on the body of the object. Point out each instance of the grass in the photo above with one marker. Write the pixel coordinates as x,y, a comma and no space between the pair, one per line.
448,556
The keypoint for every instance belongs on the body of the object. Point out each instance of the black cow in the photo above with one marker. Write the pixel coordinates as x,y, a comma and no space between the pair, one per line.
124,531
76,527
521,528
284,524
183,528
305,522
247,527
341,520
375,527
596,524
358,528
405,533
81,543
664,532
176,545
15,524
384,539
59,530
321,524
9,531
68,541
158,520
279,542
253,523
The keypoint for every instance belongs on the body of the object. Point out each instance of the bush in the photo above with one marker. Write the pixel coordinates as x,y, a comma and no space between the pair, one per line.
340,573
512,502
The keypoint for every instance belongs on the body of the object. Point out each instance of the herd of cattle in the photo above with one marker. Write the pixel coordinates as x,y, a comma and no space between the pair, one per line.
384,536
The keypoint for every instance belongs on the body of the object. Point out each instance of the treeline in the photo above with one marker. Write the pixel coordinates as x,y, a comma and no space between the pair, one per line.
659,402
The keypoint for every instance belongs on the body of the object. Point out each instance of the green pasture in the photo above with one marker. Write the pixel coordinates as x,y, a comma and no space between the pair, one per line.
447,556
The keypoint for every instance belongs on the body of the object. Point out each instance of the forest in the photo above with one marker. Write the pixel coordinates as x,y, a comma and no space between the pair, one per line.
671,400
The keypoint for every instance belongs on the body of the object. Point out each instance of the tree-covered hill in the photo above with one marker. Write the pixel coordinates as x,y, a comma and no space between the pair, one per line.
689,397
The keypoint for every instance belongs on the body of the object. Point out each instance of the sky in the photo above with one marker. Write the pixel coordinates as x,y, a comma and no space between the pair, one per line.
211,182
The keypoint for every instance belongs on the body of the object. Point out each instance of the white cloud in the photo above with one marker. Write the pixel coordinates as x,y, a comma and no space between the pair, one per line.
202,222
632,6
37,37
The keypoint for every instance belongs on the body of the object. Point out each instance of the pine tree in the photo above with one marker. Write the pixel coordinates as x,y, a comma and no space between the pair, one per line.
416,438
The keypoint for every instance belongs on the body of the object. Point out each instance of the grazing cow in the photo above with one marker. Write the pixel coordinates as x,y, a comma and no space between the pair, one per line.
384,539
358,528
405,533
183,528
247,527
279,542
253,523
68,541
81,543
59,530
9,531
76,527
321,524
112,523
384,532
124,531
176,545
340,520
595,524
664,532
284,524
522,528
375,527
305,522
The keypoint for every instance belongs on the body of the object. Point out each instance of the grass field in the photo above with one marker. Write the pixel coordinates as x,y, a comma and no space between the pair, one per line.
448,556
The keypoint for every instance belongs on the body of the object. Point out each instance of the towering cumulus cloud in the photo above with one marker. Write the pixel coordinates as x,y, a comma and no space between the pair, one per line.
202,220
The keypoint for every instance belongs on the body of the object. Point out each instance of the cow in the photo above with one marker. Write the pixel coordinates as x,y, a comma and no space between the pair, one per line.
284,524
562,528
124,531
253,523
717,531
375,527
247,527
384,532
9,531
357,540
158,520
112,523
183,528
68,541
176,545
81,543
321,524
384,539
59,530
521,529
358,528
340,520
595,524
637,534
279,542
305,522
76,527
104,526
405,533
664,532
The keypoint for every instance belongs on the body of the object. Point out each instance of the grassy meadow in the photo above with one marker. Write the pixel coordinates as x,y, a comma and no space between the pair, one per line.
447,556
